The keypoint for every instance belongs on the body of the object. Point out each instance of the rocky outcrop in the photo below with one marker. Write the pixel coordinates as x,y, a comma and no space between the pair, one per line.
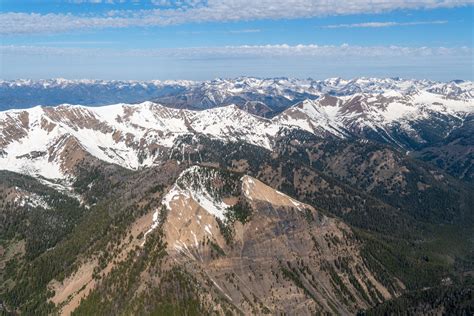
266,252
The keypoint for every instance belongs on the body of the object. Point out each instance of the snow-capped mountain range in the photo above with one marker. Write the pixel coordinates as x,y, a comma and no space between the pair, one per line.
134,136
38,140
266,97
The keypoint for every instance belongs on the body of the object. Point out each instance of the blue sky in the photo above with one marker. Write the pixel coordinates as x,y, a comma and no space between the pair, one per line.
204,39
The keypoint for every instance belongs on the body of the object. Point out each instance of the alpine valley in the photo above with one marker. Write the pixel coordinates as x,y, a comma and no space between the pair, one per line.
237,196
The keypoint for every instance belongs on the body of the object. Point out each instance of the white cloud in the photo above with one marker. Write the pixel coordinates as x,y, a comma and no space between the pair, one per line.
194,11
264,51
383,24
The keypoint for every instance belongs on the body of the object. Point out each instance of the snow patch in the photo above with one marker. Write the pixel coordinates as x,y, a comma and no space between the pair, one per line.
197,192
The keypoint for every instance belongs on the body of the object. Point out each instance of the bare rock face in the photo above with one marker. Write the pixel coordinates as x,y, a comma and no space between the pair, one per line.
262,251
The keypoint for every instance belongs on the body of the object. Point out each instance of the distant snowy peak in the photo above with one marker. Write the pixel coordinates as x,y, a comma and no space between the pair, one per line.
271,86
65,83
383,107
390,116
276,94
456,90
315,116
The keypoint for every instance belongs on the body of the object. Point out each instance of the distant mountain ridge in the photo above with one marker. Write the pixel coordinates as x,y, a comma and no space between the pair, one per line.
265,97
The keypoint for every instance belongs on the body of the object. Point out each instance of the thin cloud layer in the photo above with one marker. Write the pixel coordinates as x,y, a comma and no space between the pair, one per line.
263,51
201,63
210,11
383,24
